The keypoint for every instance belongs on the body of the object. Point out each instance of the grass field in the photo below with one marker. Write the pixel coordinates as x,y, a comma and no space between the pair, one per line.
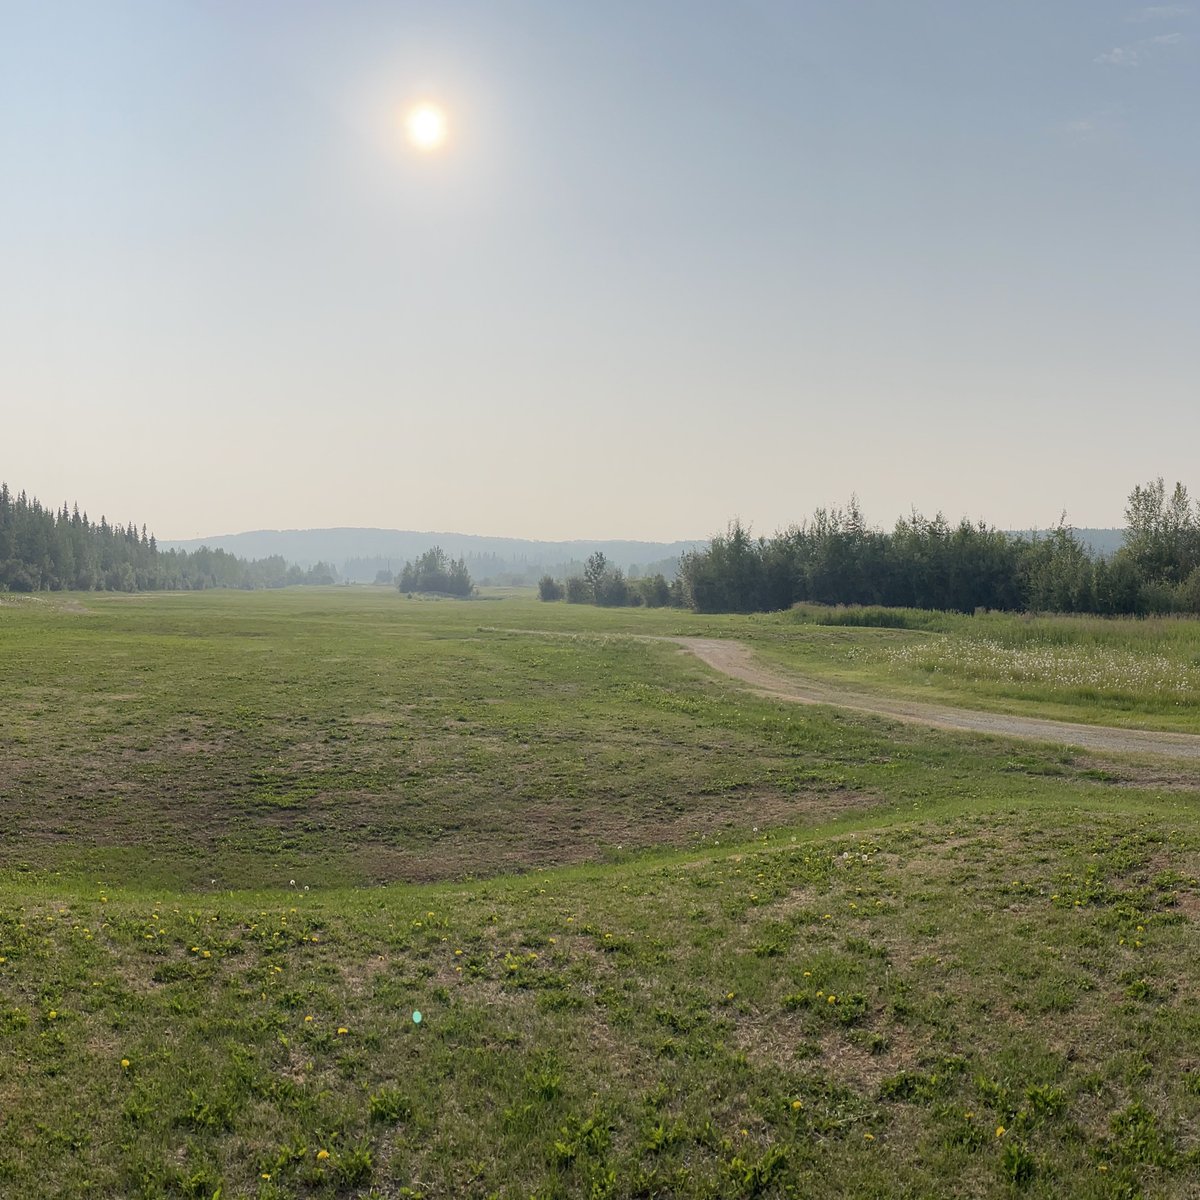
667,938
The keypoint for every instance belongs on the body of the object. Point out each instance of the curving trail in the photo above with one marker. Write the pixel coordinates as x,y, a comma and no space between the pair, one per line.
734,659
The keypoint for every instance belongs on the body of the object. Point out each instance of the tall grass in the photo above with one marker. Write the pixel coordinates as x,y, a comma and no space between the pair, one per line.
1099,666
1016,629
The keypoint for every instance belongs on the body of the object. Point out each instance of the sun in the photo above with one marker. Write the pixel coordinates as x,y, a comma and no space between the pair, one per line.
426,125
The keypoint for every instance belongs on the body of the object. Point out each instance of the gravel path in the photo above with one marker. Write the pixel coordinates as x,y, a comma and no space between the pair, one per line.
735,660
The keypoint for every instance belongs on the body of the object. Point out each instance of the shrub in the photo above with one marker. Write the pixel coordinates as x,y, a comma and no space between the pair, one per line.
654,592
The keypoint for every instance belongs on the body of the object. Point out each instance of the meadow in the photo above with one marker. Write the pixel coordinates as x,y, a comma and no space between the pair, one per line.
666,937
1133,672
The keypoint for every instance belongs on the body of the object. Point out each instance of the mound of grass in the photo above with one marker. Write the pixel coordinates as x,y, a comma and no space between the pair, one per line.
994,1002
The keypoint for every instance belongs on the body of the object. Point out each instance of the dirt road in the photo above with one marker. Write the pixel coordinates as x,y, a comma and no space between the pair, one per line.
735,660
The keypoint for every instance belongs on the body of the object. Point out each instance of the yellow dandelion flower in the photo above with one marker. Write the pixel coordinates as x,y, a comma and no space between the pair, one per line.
53,1014
342,1030
831,999
870,1137
124,1064
322,1155
1000,1131
797,1104
307,1019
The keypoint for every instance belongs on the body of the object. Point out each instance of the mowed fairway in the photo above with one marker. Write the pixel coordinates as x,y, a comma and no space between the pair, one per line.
667,937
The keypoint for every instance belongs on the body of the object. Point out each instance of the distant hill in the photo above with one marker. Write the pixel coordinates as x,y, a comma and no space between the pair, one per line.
1101,542
360,554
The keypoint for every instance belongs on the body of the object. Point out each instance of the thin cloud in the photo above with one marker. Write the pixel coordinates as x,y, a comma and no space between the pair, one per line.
1159,12
1095,128
1138,52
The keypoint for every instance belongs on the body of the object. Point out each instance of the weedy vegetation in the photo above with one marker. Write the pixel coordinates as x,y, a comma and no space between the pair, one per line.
1137,672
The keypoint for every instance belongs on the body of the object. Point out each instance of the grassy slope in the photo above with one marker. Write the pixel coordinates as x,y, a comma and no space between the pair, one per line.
1007,932
662,1027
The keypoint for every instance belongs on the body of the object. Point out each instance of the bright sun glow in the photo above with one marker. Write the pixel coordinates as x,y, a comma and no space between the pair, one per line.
426,125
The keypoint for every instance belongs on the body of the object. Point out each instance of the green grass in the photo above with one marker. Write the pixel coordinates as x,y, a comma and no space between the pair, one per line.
854,1015
361,738
620,891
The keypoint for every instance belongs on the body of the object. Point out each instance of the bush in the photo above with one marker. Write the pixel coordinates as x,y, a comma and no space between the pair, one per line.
654,592
611,589
1189,593
549,588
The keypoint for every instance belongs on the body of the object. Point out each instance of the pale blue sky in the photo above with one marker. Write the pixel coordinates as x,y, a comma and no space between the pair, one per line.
680,261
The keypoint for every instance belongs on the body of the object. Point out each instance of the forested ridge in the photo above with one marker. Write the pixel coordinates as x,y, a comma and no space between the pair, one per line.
46,549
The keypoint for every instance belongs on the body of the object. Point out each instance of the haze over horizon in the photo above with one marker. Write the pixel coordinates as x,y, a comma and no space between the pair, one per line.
672,265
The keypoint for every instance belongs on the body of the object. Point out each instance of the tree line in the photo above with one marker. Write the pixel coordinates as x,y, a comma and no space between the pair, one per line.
46,549
607,585
837,558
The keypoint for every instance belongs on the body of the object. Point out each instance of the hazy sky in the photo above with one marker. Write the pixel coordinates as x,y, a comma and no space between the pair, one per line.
678,261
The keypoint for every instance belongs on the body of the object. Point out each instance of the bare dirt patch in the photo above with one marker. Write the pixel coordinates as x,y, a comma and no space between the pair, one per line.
794,903
859,1068
1142,776
358,975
